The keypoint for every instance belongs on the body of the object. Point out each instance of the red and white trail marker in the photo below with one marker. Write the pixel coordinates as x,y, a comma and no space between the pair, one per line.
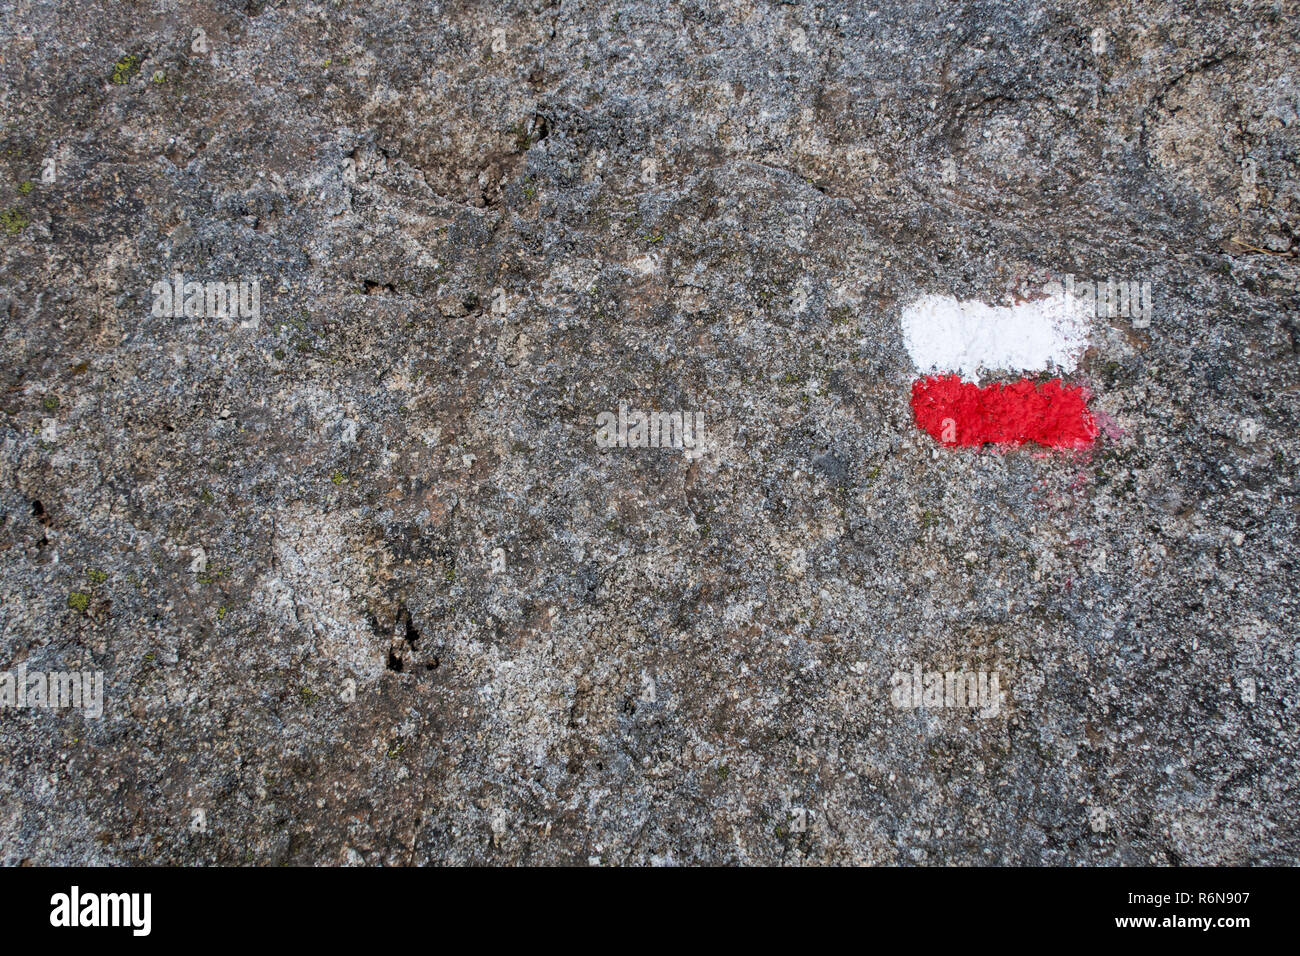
955,344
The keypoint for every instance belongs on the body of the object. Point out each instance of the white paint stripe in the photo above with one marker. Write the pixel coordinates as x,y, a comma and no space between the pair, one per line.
943,334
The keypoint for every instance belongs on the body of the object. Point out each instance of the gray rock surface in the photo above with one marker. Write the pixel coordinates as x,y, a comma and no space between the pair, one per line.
476,227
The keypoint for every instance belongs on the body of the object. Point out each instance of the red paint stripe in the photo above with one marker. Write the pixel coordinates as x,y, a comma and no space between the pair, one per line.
955,413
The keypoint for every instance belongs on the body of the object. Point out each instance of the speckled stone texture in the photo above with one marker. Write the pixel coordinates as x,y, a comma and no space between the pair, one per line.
363,586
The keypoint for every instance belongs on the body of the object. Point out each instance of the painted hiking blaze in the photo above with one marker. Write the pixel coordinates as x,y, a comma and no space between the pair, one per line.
959,413
954,344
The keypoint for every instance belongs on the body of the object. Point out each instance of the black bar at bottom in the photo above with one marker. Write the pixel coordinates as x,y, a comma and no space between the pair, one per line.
300,907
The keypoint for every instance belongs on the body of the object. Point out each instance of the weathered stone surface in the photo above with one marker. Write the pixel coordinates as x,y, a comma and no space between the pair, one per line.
477,227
